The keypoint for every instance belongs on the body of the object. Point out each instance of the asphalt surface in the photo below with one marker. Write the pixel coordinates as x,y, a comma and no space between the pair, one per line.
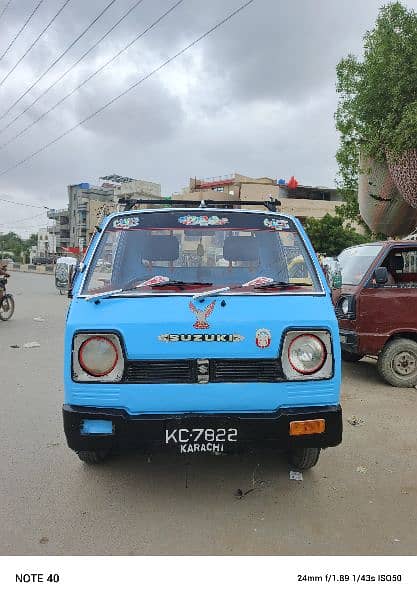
360,499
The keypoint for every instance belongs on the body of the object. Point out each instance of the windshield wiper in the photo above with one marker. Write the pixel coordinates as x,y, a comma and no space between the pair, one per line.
278,284
110,293
176,282
211,292
137,288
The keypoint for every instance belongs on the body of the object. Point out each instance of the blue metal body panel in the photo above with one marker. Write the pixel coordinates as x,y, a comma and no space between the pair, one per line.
141,320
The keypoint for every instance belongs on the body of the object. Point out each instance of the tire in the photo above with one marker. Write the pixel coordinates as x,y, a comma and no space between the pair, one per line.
92,457
6,307
397,363
351,356
304,458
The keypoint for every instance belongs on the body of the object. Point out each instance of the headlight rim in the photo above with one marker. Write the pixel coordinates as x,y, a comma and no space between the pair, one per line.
79,375
323,351
82,362
345,303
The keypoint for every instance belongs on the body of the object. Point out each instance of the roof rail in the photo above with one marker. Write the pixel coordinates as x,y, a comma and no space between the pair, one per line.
129,203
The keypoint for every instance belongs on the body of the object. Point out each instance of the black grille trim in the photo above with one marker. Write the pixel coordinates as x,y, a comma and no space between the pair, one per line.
234,370
220,371
161,371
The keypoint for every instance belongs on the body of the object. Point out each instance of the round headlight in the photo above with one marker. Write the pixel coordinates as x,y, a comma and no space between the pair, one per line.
307,354
98,356
345,306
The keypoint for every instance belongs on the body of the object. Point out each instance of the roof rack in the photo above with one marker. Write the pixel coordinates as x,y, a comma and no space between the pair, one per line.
129,203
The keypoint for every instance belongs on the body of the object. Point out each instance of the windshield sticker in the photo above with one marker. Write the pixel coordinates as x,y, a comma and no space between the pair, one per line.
201,337
263,338
201,315
277,224
258,281
126,222
203,220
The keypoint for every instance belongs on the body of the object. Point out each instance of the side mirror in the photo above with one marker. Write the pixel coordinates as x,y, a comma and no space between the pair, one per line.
336,279
381,275
72,271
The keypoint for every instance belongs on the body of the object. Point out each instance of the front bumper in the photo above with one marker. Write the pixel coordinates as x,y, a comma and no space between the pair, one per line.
349,341
149,431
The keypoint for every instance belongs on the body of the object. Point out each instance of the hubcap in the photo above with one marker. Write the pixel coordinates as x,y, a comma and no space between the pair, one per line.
404,363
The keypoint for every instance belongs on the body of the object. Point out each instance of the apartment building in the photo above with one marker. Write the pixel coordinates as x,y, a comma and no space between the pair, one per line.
60,229
85,205
301,201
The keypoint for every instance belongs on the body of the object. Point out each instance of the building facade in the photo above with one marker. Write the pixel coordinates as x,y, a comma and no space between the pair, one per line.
46,246
302,202
126,186
88,204
85,204
60,229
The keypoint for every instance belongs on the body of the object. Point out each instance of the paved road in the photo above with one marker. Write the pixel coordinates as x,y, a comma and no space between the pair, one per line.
360,499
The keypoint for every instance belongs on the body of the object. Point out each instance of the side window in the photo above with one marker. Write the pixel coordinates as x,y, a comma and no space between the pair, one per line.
102,268
410,261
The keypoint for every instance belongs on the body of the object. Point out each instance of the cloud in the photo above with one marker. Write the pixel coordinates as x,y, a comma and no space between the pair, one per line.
256,97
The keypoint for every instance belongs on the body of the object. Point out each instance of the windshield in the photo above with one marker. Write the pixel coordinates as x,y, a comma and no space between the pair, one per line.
354,262
201,249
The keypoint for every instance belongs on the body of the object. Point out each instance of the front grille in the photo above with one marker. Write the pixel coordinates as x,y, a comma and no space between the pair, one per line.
220,371
245,370
160,371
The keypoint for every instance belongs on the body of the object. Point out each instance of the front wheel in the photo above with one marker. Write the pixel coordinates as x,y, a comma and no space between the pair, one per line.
6,307
92,457
304,458
397,363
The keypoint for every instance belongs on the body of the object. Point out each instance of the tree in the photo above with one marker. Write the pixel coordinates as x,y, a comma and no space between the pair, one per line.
377,109
330,236
11,242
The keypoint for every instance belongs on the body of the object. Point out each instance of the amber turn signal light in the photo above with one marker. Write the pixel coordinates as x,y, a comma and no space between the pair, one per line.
307,427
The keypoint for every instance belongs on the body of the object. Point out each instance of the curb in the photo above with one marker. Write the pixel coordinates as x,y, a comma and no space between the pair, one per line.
40,269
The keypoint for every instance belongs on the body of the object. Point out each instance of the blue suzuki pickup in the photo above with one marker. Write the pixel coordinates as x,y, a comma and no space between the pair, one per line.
201,330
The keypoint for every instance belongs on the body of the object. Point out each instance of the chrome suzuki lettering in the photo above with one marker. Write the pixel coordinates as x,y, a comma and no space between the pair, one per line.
201,337
186,337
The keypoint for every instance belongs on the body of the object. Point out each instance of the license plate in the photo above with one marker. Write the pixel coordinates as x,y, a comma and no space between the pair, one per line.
194,440
342,338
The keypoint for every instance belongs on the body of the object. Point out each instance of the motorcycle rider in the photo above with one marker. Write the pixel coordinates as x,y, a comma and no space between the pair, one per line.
4,275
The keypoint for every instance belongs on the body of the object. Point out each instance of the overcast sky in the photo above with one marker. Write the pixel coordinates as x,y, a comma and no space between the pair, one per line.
255,97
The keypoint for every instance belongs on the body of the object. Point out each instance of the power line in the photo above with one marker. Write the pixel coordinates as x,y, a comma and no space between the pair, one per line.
5,8
7,223
34,42
21,29
126,14
106,64
101,13
129,89
23,204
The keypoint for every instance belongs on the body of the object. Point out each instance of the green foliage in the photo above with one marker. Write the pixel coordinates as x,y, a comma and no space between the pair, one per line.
330,236
11,242
377,109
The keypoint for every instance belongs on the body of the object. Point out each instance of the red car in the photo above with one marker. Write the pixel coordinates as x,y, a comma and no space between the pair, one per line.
377,308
